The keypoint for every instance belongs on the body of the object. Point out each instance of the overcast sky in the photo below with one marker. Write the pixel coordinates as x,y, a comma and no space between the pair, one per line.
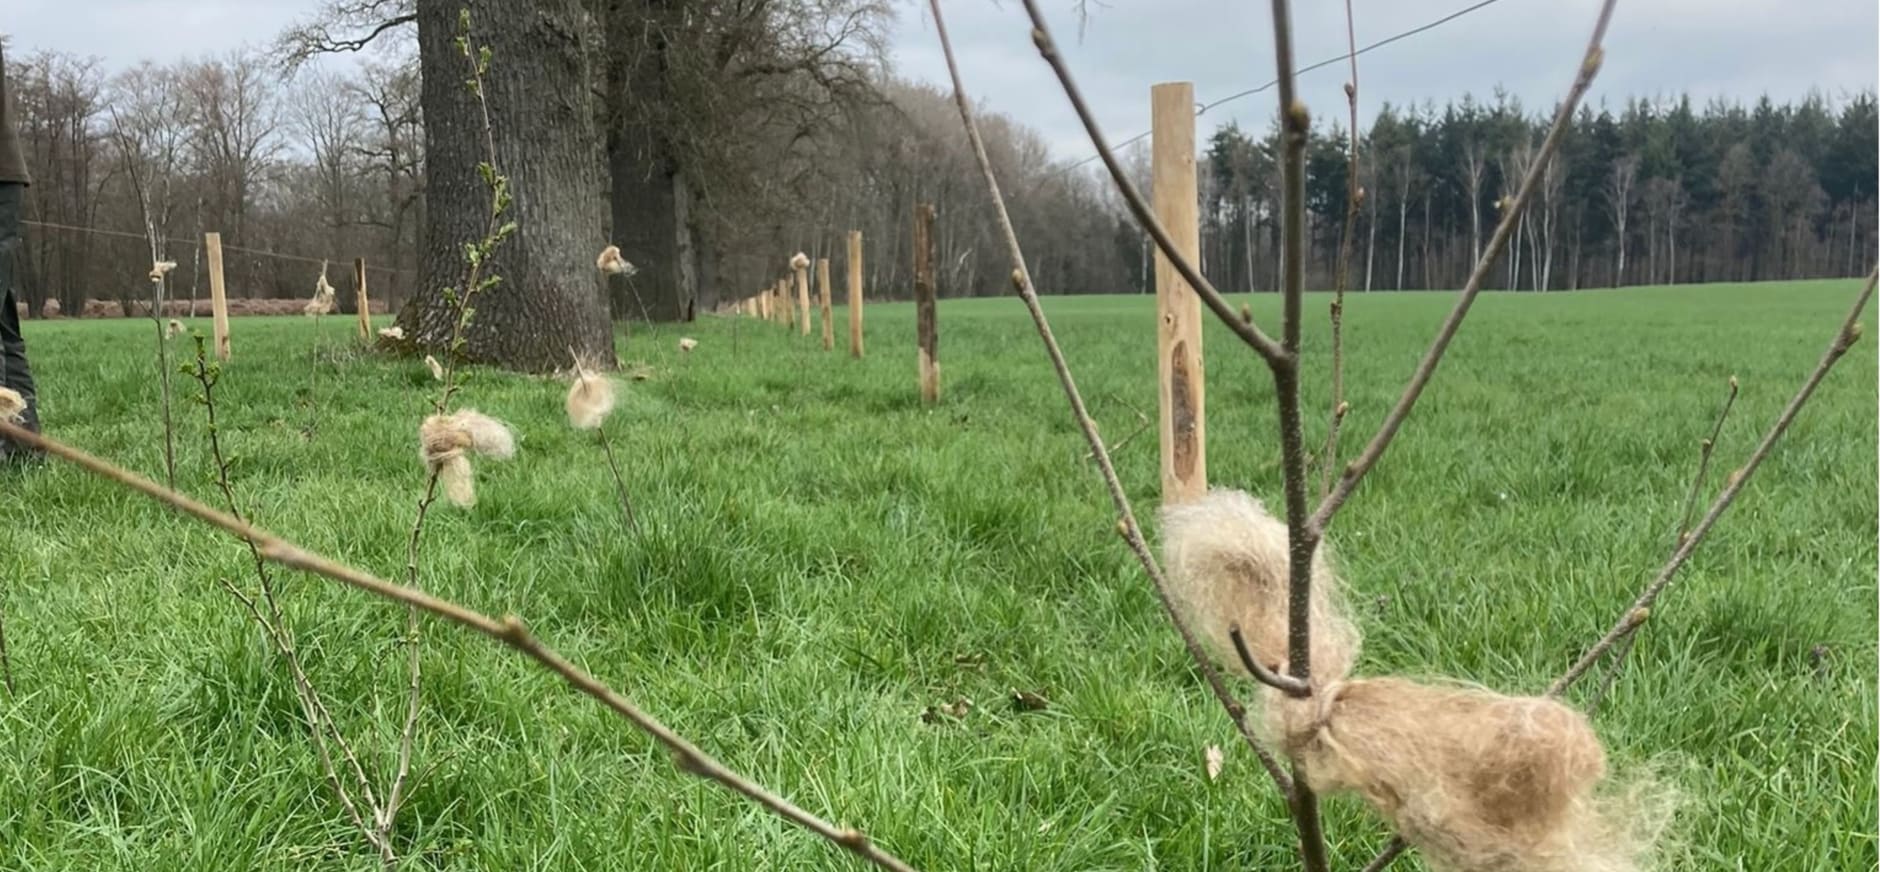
1730,48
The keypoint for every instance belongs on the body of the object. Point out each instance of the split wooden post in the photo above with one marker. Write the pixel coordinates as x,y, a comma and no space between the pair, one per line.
855,294
1179,375
924,257
365,306
822,290
802,294
218,293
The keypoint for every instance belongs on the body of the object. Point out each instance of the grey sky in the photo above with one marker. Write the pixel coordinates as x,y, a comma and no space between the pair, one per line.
1731,48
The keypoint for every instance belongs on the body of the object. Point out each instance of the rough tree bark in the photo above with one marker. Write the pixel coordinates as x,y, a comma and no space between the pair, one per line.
542,120
651,199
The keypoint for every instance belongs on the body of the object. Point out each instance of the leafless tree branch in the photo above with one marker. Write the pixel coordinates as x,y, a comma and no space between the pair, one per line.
1328,458
1374,450
1303,541
1264,674
1639,611
1139,207
508,630
1704,450
1126,525
1844,338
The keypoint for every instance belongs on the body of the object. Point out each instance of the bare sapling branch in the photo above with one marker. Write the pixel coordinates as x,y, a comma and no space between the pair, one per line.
1279,681
1844,338
1387,856
1126,524
6,661
1303,539
476,256
1704,450
265,607
1354,195
159,285
1139,207
1504,230
620,482
1639,612
508,630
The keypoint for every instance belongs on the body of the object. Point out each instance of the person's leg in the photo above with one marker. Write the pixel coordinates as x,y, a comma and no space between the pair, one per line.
15,373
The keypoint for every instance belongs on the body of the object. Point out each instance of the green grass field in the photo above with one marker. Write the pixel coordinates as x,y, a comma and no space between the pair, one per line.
824,559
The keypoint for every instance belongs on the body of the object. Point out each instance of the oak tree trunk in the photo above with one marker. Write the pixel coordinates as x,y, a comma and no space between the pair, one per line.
541,114
651,200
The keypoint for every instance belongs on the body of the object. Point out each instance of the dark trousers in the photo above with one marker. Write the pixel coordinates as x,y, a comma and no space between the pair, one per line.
14,371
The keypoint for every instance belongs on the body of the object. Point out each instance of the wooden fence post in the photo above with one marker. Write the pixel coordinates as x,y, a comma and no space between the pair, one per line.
1179,374
822,290
924,256
855,294
218,294
802,293
365,305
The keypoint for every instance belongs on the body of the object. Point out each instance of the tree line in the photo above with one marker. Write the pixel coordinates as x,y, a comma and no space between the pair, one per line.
712,140
1656,192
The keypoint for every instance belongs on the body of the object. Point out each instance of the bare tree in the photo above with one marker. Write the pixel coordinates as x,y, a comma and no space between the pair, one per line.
1553,176
392,148
1514,165
324,113
60,98
1406,172
235,133
1474,168
1620,185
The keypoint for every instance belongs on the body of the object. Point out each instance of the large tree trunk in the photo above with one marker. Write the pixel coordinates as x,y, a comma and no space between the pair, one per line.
651,195
541,115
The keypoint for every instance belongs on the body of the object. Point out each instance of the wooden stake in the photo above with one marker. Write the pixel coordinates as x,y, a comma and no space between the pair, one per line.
218,294
924,257
1179,375
822,290
802,296
855,294
365,306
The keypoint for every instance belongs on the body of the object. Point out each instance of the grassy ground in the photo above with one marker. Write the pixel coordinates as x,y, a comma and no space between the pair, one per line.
824,559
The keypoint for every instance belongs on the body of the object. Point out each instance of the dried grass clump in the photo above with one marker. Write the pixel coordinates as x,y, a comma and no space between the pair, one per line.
445,443
12,406
613,263
1227,566
590,399
799,261
1479,781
